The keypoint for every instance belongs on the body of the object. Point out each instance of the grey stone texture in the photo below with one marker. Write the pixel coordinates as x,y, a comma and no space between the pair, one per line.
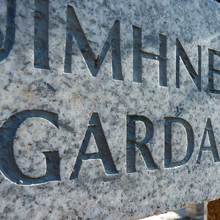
75,96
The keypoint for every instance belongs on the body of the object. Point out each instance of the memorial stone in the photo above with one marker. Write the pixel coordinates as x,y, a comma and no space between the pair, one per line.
108,109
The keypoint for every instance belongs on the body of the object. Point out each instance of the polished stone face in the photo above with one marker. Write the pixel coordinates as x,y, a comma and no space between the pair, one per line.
119,131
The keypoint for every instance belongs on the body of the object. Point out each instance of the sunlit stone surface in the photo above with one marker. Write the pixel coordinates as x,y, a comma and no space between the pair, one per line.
28,82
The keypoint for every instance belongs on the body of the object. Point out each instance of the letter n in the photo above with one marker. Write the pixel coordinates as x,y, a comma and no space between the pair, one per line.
181,53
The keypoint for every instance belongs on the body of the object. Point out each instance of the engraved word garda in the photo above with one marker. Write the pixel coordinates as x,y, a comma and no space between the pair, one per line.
8,165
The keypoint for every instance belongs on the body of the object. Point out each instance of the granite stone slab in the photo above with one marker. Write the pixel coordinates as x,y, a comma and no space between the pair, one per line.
120,131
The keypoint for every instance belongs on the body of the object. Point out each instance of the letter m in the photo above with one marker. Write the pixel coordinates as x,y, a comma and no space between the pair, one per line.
93,62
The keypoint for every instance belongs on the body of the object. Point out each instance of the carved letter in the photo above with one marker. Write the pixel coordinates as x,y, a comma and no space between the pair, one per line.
8,164
169,163
213,147
180,52
142,145
7,41
212,71
41,57
138,53
104,153
93,62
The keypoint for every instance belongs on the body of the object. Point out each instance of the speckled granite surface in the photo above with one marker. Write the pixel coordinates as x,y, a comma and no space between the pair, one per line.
75,96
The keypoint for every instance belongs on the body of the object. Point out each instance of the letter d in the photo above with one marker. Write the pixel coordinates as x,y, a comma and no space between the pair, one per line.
168,159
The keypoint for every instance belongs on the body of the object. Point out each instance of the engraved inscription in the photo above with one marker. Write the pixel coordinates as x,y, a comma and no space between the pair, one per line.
41,38
7,40
133,149
8,164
